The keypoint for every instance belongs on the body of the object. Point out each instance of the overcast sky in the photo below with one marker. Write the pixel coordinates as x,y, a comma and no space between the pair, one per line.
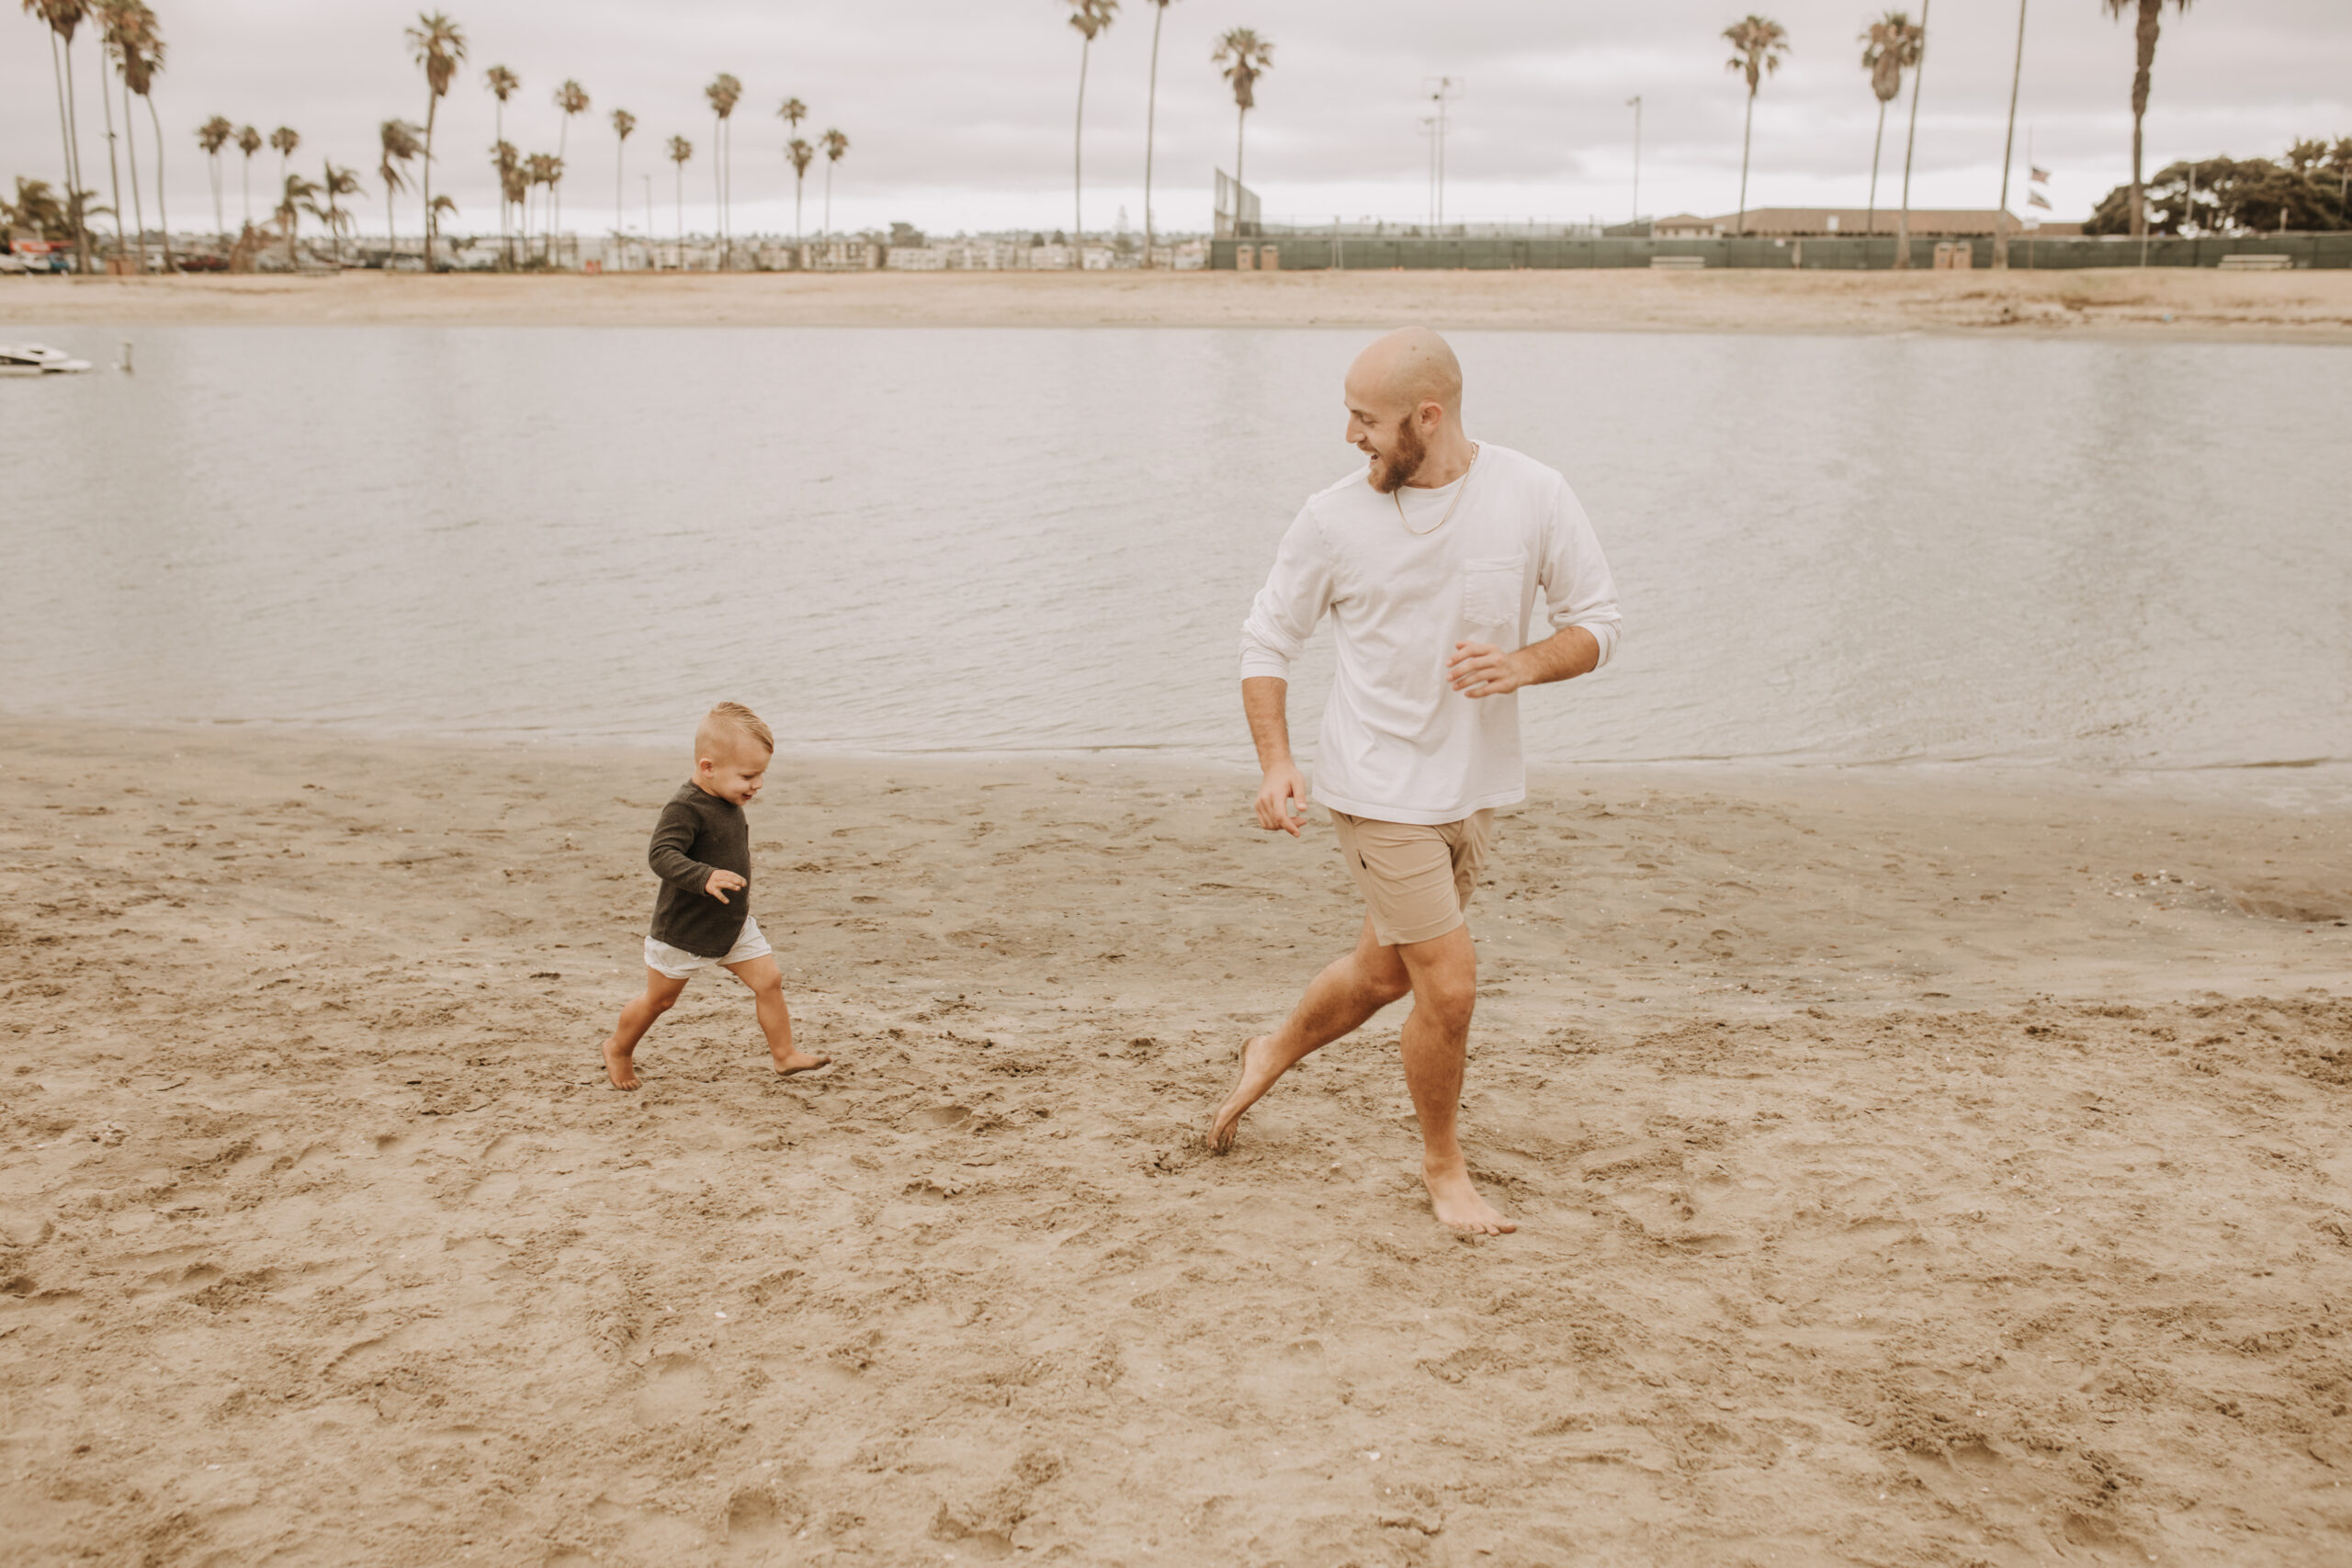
960,114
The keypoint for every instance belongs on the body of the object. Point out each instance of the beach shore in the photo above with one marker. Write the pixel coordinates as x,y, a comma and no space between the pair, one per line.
2168,304
1914,1167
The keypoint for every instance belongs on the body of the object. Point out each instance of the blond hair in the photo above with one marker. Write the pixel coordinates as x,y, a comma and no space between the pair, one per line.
731,722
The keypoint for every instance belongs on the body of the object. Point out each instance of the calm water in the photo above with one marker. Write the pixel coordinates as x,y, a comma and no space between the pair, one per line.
1836,549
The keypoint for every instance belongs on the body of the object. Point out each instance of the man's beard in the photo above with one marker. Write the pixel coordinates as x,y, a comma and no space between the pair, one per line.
1392,471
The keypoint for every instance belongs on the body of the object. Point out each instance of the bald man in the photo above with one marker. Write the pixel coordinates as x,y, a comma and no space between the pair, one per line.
1428,561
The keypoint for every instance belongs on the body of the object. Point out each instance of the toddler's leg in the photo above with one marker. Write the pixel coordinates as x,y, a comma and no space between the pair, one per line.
661,994
775,1019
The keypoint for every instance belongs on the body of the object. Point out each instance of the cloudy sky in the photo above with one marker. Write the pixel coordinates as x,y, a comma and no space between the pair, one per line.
960,113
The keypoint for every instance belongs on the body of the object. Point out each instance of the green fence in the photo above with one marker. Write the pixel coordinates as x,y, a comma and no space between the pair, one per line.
1316,253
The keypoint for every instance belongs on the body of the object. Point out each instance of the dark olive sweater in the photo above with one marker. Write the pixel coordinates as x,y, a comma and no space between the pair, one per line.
698,834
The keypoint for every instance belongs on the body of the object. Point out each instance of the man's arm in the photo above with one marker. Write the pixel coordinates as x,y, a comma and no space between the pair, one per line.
1482,670
1266,700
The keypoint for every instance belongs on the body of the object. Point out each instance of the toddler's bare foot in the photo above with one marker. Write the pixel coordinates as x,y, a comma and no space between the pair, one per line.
621,1065
798,1061
1458,1204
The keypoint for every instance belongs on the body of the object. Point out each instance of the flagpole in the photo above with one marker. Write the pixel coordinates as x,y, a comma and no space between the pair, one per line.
2008,145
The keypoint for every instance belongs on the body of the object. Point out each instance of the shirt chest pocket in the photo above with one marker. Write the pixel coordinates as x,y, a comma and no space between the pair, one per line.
1490,588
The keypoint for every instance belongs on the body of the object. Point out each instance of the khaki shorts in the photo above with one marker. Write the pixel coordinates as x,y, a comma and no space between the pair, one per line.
1417,879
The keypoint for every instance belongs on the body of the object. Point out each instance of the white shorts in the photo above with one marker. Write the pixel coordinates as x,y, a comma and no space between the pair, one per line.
678,964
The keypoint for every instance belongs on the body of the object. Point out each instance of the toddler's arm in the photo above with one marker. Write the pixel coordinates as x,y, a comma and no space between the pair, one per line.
667,855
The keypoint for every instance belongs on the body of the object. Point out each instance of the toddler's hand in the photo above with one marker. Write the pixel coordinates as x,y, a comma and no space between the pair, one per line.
721,884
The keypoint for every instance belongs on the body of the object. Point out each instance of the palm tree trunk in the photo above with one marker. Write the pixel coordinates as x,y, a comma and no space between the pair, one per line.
2151,13
163,215
1240,130
131,148
114,167
800,186
391,240
1745,136
431,109
1077,166
58,69
220,219
1910,140
621,157
2009,149
1869,221
681,168
1151,117
555,186
246,183
81,180
829,198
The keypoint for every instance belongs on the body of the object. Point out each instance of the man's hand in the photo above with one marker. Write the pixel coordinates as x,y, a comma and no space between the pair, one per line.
721,884
1279,798
1482,670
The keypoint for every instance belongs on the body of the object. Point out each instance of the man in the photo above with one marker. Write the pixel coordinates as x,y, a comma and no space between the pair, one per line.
1428,562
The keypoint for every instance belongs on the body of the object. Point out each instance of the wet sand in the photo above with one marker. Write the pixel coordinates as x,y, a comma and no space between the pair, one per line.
1914,1167
2173,304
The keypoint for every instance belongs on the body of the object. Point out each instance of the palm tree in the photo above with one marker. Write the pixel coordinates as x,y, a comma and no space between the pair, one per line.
1245,57
36,207
2009,151
571,98
503,85
299,194
399,144
1757,46
1150,118
792,112
284,141
1090,18
513,190
679,151
1891,46
139,45
623,123
802,156
439,45
249,143
545,169
63,18
212,136
834,144
1910,140
724,94
2150,13
339,183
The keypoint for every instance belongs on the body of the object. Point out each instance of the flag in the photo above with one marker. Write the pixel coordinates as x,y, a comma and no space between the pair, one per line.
2035,198
2041,176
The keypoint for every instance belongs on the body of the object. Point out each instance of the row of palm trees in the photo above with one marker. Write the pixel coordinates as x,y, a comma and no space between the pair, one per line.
131,43
1243,54
1894,44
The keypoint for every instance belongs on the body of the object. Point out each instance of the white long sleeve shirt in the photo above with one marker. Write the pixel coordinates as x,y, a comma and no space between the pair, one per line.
1398,744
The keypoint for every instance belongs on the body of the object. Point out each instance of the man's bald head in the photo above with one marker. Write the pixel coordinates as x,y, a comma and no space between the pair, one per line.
1404,398
1401,371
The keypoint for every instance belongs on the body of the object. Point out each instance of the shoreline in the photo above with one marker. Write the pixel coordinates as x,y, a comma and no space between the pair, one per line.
2126,303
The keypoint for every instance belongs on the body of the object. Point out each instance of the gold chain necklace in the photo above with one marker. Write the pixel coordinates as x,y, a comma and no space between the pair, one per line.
1397,495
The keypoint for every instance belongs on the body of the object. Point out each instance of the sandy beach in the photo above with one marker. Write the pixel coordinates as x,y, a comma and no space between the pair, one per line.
2167,303
1914,1167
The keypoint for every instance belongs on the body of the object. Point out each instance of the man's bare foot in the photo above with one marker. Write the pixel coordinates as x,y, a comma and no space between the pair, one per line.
1255,1076
798,1061
1458,1204
620,1066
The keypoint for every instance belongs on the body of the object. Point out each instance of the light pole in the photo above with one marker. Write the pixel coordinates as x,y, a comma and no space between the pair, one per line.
2008,144
1634,103
1442,91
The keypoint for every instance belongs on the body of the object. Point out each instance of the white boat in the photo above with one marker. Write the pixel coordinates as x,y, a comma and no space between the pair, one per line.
37,359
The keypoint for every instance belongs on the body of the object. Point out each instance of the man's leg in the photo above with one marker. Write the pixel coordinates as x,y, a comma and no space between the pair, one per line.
659,995
1337,1001
1444,974
775,1019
